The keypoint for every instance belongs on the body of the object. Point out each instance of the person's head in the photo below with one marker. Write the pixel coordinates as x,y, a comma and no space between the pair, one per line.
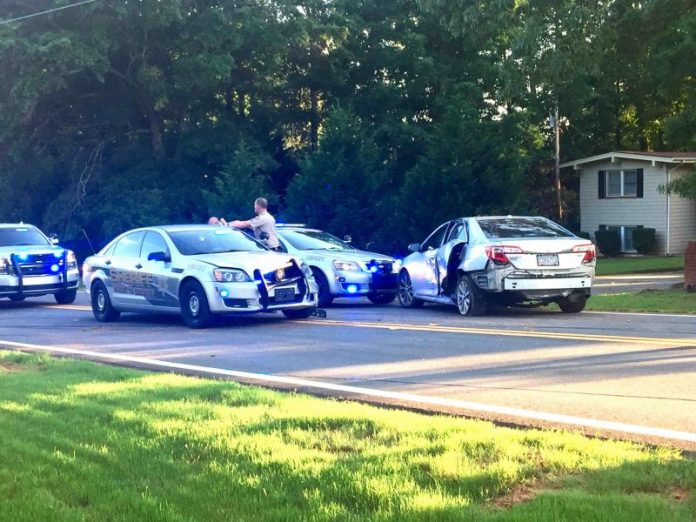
213,221
260,205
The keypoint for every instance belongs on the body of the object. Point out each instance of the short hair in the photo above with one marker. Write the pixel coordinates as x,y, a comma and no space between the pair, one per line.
261,202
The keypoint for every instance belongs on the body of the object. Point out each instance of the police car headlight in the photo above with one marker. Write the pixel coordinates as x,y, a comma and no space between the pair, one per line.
306,270
232,275
72,260
346,266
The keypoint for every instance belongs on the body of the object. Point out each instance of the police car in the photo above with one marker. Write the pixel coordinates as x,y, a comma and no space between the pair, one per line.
198,271
340,269
31,264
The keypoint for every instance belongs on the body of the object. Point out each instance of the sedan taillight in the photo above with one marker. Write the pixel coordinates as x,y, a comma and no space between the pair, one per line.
589,250
498,254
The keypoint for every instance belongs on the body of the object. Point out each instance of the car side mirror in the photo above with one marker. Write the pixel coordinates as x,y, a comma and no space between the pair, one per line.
414,247
53,238
159,256
347,238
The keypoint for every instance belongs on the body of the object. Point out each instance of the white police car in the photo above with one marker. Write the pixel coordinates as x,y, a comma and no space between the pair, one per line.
31,265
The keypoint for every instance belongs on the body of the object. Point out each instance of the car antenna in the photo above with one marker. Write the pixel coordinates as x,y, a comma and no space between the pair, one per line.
94,252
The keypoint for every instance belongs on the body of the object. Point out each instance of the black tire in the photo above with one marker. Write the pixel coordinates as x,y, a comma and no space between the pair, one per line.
302,313
468,298
325,297
17,298
103,310
66,297
381,299
195,309
572,304
406,297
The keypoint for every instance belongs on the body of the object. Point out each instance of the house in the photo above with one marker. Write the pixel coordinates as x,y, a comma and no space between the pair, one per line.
621,190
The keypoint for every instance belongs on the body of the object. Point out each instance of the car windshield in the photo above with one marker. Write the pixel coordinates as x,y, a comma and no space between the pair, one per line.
314,240
213,240
498,228
18,236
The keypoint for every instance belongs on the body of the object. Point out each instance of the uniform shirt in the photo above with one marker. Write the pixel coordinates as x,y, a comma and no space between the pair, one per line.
264,222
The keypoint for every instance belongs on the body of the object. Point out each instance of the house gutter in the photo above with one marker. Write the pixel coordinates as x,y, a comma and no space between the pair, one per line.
669,206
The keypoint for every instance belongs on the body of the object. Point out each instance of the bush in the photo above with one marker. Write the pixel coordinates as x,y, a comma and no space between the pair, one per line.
584,235
608,242
645,240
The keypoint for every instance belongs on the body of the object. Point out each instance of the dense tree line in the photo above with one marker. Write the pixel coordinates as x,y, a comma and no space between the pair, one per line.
376,118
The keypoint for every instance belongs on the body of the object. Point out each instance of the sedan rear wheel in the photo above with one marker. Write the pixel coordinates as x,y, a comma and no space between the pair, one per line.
407,298
468,297
194,305
573,304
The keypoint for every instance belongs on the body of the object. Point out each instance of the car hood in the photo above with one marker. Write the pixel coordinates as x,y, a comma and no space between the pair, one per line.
247,261
30,249
361,256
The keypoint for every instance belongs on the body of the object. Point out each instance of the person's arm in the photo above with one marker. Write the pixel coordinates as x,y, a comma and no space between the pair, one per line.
239,224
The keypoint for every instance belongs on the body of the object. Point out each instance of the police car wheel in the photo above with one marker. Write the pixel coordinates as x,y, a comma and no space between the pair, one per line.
17,298
406,295
303,313
194,305
325,297
102,309
381,299
66,297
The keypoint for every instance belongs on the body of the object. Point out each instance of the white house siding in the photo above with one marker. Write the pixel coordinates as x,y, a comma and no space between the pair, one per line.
648,211
682,217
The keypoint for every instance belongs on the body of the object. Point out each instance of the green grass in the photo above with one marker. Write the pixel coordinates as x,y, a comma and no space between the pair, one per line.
84,442
674,301
634,265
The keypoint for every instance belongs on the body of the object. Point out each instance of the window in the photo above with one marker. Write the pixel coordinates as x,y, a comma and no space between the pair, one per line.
19,236
625,235
434,241
129,245
518,227
153,242
621,183
458,231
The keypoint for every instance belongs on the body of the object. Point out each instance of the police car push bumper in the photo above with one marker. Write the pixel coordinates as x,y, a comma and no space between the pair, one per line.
27,274
257,296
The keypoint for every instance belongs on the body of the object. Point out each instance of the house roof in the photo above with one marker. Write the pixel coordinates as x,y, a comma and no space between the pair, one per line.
652,157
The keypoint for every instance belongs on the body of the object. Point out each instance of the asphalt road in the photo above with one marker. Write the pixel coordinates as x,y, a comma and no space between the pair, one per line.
636,369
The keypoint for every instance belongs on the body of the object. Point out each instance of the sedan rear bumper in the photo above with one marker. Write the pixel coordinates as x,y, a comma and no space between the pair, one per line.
563,283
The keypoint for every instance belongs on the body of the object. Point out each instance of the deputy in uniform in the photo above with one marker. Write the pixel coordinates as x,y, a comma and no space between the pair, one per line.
263,222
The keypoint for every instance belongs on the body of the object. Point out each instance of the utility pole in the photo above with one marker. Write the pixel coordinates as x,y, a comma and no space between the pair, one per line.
556,124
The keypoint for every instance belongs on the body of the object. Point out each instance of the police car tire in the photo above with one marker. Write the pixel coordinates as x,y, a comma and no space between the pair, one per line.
66,297
303,313
381,299
325,297
109,313
203,317
17,298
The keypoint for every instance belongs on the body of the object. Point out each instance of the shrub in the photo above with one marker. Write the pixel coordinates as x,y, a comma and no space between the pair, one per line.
585,235
608,242
645,240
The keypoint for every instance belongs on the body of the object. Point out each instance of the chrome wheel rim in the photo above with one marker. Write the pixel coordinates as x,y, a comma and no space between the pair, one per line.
405,289
101,301
194,304
463,297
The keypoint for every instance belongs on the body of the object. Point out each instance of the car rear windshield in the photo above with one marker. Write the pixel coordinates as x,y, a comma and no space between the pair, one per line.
314,240
17,236
213,240
498,228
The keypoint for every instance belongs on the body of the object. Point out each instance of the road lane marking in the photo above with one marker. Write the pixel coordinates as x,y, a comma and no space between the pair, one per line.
569,420
510,333
660,341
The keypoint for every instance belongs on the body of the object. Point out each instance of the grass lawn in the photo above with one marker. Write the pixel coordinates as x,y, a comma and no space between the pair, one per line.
632,265
666,301
84,442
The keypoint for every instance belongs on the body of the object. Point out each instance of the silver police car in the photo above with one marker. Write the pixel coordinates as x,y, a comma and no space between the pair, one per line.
198,271
507,260
340,269
32,264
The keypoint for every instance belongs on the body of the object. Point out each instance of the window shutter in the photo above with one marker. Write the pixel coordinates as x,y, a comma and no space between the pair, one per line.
602,184
639,189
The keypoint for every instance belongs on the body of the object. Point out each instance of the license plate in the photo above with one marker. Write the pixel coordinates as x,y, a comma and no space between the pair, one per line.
547,260
284,294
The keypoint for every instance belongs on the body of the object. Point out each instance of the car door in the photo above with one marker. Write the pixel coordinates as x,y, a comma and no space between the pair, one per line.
124,274
157,284
456,236
426,280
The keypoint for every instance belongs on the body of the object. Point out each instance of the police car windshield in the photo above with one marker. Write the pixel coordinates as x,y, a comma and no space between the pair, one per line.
314,240
213,240
497,228
18,236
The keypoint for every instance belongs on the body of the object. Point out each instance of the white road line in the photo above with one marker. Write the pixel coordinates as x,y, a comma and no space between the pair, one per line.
619,427
649,314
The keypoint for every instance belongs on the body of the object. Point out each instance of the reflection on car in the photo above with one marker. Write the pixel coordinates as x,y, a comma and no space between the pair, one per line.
509,260
340,269
198,271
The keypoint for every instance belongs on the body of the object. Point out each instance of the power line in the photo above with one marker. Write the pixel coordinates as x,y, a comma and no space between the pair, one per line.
2,22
